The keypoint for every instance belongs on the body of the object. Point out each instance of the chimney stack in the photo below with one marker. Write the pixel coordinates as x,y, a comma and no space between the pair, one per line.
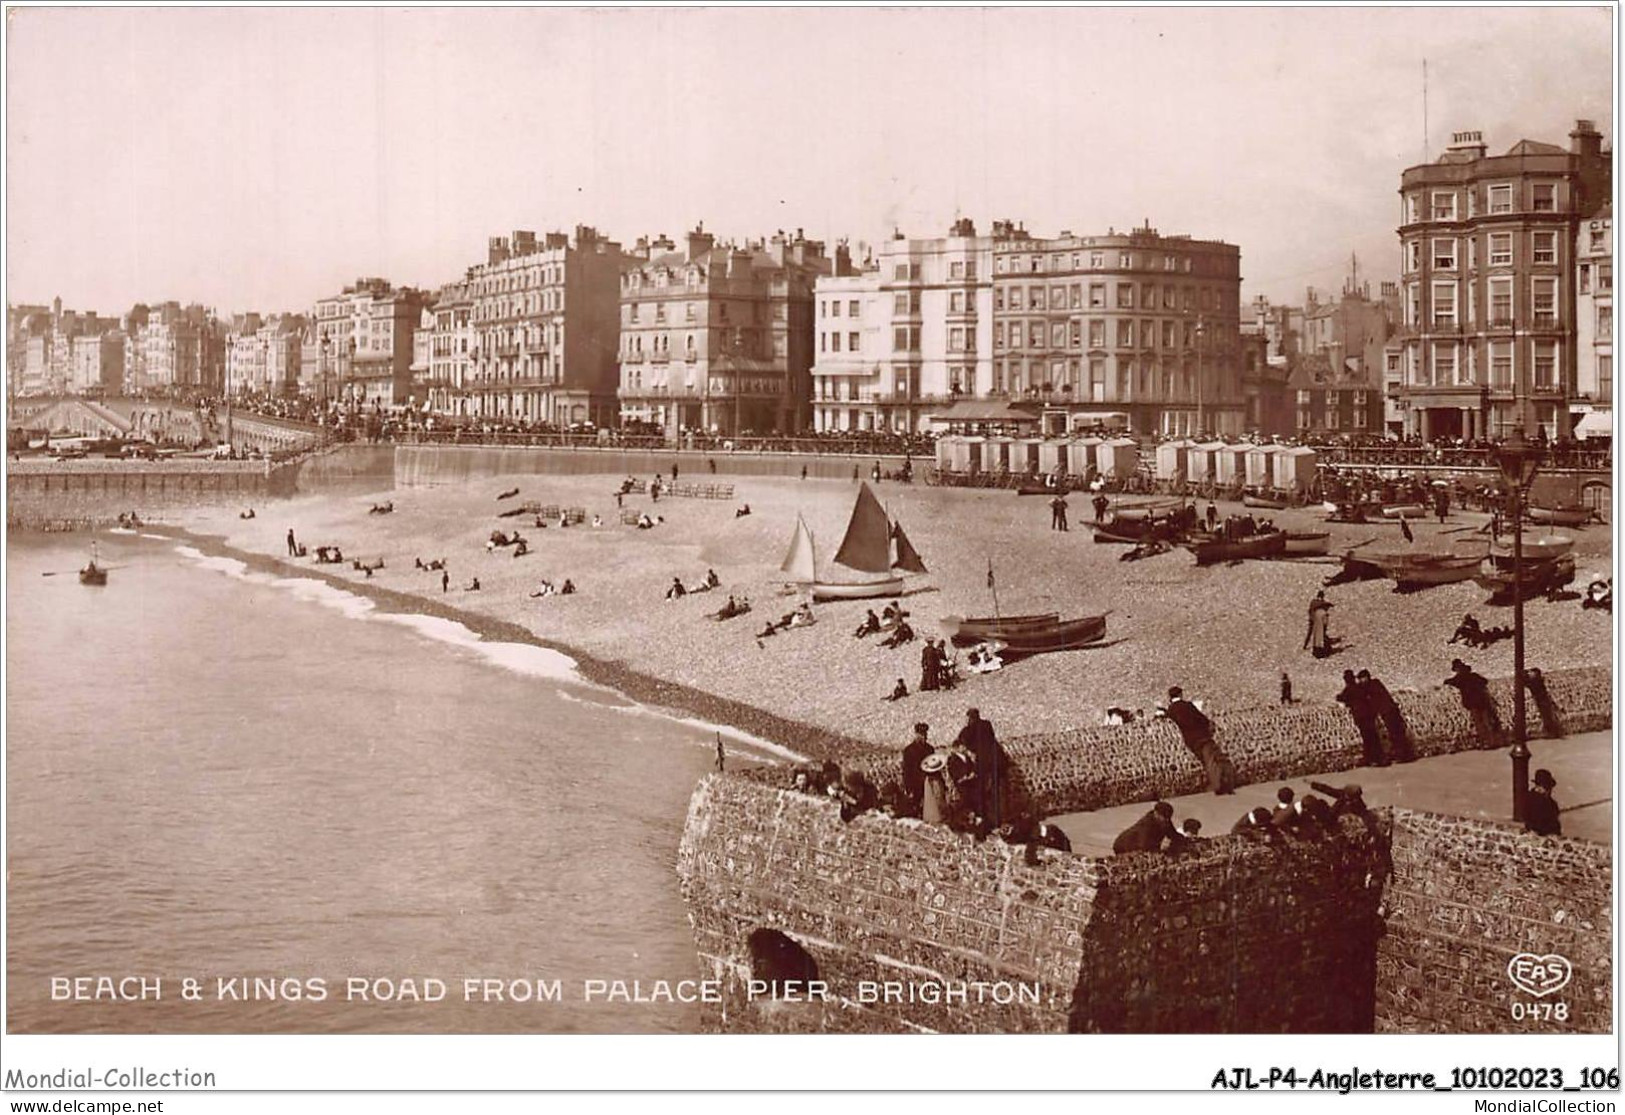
699,242
1585,140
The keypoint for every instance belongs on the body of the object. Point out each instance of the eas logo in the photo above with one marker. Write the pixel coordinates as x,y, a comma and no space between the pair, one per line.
1540,975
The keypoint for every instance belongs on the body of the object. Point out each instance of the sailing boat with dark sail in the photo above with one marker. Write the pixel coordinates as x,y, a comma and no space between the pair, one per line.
873,545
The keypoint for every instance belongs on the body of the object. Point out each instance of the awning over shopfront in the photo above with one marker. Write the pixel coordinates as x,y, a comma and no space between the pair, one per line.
1595,423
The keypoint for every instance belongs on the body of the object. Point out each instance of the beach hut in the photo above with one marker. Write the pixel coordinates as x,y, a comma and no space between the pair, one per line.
950,454
996,454
975,453
1118,457
1261,466
1173,460
1024,455
1295,467
1204,461
1052,456
1081,456
1230,464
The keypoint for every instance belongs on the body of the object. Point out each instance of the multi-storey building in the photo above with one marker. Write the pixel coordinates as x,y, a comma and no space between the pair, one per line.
169,347
264,355
920,313
97,361
1487,248
1592,402
1126,325
451,344
719,337
357,345
531,334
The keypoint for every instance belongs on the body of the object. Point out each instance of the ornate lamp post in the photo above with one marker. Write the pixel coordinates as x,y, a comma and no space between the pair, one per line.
1519,460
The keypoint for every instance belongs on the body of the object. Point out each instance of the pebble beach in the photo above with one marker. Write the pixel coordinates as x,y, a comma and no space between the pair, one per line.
1225,633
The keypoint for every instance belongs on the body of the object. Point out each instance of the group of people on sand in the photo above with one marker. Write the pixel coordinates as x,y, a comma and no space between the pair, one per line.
677,590
799,616
548,589
1469,631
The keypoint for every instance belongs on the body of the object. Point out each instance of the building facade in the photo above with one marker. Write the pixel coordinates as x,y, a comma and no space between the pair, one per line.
539,319
451,343
1127,325
169,347
719,337
920,312
264,356
357,345
97,359
1488,276
1591,404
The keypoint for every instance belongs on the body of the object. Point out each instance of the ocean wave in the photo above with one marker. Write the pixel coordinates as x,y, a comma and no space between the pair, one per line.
706,728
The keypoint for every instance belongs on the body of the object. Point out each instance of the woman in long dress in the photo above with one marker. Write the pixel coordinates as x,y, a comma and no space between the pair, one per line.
1319,639
934,801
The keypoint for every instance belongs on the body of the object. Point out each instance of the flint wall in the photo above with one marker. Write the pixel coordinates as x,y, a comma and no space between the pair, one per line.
1237,936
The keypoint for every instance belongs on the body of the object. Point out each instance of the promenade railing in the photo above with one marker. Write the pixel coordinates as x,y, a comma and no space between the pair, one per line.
617,442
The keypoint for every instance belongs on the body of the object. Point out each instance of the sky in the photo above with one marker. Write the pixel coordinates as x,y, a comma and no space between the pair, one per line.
260,159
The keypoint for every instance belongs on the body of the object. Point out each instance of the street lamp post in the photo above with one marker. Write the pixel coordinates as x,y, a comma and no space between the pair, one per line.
1201,339
1518,460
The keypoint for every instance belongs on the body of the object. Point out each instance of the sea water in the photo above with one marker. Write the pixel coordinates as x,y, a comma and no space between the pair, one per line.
274,787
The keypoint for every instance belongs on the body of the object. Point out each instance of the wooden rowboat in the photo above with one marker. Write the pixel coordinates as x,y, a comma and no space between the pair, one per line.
856,590
1559,516
982,628
1545,547
1421,569
1062,635
1404,511
1495,576
1304,543
1270,544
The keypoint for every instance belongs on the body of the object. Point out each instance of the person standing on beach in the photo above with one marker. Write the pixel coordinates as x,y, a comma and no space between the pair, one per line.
293,547
674,474
1319,640
1101,503
1057,513
913,777
445,582
720,753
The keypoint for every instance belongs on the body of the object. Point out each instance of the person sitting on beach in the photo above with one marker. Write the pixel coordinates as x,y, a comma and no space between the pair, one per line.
801,617
568,588
676,590
711,579
903,634
1599,594
1468,631
741,512
644,522
597,520
869,626
417,563
547,589
899,691
983,659
521,548
473,586
731,609
768,630
249,514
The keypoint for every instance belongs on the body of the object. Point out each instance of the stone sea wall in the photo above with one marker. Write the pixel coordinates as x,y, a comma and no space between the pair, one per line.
1092,768
1464,898
1237,936
422,466
47,495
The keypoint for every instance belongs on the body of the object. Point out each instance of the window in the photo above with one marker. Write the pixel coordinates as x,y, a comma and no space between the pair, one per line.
998,298
851,342
1075,333
1148,296
852,308
1125,296
1605,278
1037,264
1545,197
1585,278
1545,247
1125,262
956,270
1125,334
1097,294
1605,378
1472,253
1444,205
1500,302
1168,334
1035,298
1097,334
823,342
1057,297
1057,335
1545,363
1444,255
1500,249
1148,334
900,271
1444,361
1411,209
956,340
1501,364
1076,301
835,342
970,269
1097,259
1605,322
1544,300
956,302
900,340
1501,198
1035,334
1444,303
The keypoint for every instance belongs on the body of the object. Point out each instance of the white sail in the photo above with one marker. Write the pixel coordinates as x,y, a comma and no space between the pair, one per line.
800,560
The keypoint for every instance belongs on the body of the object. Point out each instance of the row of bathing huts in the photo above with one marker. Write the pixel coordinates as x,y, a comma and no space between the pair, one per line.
1125,462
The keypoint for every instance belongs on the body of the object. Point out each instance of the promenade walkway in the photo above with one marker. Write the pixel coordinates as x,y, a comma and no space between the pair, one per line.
1466,784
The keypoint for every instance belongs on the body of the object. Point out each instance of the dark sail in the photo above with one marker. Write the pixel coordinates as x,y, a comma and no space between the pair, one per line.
908,558
865,547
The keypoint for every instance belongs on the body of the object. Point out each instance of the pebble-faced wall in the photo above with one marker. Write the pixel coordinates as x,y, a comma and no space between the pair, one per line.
1092,768
1466,897
1400,921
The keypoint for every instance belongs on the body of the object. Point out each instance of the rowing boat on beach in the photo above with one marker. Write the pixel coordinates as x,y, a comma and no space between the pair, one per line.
1558,516
1266,545
1307,543
980,629
1068,634
873,544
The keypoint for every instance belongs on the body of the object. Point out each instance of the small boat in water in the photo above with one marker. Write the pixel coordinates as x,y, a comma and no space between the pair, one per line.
1067,634
983,628
95,573
1558,516
1213,551
1307,543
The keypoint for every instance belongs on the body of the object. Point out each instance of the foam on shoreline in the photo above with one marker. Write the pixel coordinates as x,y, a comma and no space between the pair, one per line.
526,656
